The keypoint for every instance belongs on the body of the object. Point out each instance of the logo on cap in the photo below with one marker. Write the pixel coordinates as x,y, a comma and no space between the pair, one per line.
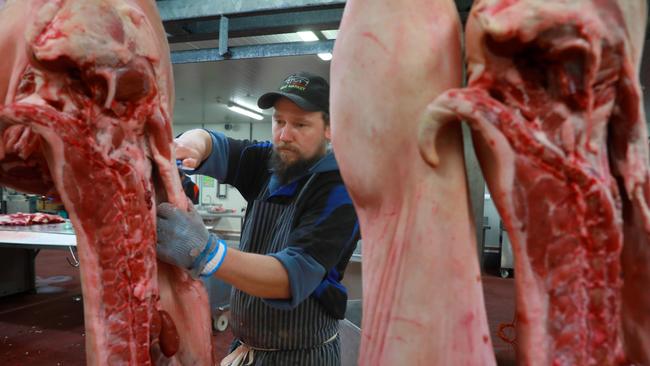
295,82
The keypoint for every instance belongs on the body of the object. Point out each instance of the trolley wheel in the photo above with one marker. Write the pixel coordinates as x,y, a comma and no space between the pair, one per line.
220,323
505,273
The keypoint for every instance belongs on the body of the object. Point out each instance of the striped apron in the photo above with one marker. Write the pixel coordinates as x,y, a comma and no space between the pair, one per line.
305,335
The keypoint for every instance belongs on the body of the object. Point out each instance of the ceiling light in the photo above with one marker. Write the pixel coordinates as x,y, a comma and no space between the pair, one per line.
330,34
245,112
325,56
307,36
246,105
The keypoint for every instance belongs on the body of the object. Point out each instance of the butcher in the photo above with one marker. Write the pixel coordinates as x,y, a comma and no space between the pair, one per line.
298,235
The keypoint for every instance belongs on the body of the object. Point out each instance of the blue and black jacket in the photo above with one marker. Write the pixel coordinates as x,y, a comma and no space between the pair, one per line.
325,229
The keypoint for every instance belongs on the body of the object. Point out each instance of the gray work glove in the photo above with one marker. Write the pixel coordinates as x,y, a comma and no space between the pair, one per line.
184,241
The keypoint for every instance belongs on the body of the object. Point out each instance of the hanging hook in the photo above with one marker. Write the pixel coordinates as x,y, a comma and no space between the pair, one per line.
74,262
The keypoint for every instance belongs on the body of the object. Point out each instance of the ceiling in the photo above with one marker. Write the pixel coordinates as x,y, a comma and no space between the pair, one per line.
204,89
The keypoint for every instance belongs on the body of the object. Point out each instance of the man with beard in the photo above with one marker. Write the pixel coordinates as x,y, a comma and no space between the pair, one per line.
299,232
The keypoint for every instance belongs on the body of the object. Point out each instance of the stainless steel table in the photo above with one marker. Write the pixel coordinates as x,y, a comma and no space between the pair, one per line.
50,236
19,246
211,220
214,217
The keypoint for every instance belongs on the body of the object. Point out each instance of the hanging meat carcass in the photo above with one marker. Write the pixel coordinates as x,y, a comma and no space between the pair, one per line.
86,93
556,107
422,294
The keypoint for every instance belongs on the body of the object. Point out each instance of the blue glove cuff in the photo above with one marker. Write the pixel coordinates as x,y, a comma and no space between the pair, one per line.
216,259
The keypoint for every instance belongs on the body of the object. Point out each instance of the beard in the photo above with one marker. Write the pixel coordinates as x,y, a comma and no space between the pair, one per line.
288,171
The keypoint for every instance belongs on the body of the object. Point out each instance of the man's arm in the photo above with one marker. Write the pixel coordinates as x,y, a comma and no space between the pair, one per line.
184,241
326,232
255,274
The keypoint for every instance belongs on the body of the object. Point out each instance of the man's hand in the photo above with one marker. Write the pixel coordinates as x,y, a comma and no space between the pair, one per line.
184,241
193,147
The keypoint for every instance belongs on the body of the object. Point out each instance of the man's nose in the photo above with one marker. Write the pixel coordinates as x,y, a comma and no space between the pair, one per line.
286,134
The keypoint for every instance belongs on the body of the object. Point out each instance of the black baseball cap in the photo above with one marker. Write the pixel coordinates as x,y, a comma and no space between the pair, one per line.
310,92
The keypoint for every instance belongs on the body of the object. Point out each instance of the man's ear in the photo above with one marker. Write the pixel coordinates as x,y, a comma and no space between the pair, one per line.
328,133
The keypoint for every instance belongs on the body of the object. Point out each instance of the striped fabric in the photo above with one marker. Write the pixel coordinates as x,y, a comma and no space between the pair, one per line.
298,333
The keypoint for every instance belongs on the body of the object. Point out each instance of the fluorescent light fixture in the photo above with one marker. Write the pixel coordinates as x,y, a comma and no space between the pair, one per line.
307,36
246,105
245,112
330,34
325,56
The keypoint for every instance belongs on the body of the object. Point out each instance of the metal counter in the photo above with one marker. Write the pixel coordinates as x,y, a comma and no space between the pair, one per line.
212,218
19,246
49,236
218,215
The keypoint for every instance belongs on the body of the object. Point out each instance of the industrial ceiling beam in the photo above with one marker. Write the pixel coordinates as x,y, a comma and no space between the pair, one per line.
192,10
257,51
191,20
223,35
175,10
256,25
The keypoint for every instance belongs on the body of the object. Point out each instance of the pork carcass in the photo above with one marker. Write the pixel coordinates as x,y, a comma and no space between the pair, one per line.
87,94
422,294
555,105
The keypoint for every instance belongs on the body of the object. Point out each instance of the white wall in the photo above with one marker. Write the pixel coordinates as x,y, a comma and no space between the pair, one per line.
262,131
208,186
